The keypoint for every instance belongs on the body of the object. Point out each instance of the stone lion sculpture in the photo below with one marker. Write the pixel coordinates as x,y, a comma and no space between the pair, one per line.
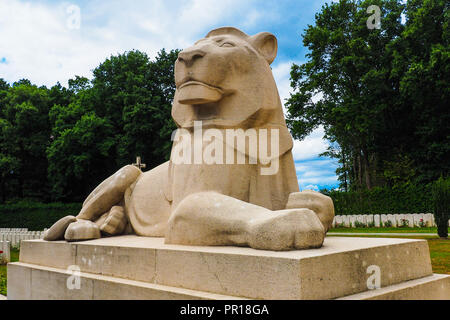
223,82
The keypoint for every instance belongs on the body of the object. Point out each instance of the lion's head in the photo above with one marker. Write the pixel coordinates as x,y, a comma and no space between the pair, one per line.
225,81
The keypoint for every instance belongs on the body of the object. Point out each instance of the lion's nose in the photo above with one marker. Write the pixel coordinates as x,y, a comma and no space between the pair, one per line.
189,56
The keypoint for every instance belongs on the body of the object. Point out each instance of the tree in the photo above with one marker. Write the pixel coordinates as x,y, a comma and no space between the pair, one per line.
422,62
148,124
363,85
78,154
123,112
24,135
441,205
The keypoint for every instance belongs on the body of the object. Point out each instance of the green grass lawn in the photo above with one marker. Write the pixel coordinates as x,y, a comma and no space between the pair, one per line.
386,230
14,257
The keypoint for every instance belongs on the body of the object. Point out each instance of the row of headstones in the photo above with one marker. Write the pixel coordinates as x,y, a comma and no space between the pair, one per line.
16,236
385,220
5,252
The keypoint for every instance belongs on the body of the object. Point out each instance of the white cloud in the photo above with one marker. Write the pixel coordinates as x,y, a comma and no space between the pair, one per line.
38,45
311,187
324,181
311,146
318,171
281,73
314,144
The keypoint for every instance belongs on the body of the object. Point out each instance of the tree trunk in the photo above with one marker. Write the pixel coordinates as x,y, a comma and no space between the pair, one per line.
367,170
344,165
359,169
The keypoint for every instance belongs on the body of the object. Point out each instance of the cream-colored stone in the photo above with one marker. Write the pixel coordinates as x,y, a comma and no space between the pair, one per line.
115,222
338,269
123,262
58,254
51,284
19,280
434,287
223,82
56,232
321,204
82,230
108,193
200,219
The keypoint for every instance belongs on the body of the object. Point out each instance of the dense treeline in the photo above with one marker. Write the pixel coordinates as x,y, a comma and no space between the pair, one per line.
35,215
408,198
382,95
57,144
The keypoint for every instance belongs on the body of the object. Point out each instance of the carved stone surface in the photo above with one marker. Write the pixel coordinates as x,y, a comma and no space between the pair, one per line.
82,230
56,232
223,191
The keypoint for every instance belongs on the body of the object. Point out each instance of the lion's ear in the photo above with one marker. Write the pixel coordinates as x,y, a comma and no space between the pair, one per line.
266,43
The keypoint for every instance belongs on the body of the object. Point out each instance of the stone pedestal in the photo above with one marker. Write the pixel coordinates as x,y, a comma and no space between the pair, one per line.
131,267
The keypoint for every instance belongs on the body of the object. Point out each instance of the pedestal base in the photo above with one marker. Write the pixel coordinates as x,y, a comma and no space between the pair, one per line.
132,267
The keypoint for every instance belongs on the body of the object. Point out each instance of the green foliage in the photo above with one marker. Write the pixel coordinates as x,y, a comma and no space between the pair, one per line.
77,153
404,223
123,112
441,205
360,224
34,215
59,143
24,135
408,198
381,95
388,224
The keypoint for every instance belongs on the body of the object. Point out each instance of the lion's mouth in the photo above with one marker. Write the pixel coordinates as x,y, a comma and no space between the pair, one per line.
191,82
194,92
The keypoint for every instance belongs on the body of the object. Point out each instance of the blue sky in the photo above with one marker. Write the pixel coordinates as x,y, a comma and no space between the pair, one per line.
41,42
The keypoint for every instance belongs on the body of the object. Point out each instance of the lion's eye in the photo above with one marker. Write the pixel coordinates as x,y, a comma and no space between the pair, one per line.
227,45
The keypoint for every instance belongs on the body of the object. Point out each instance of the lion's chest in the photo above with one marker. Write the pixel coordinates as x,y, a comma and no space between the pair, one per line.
231,180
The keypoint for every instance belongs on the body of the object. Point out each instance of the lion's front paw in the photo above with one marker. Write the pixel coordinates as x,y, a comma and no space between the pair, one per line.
57,230
321,204
287,230
82,230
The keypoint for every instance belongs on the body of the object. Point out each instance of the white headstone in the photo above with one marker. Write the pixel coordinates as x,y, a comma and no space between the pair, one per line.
5,255
346,221
376,220
352,220
338,221
391,218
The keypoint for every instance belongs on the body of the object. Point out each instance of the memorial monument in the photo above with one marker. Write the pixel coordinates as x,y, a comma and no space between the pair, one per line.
223,218
225,89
